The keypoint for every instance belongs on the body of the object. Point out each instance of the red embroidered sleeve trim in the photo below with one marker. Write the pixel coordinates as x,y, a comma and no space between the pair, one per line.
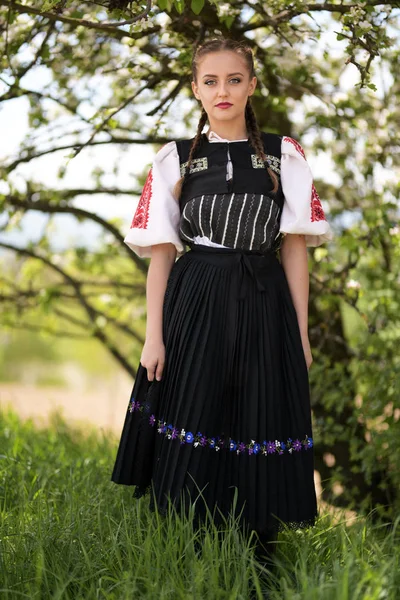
317,212
296,145
141,216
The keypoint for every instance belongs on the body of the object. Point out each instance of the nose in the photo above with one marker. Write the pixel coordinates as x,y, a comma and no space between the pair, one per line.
222,92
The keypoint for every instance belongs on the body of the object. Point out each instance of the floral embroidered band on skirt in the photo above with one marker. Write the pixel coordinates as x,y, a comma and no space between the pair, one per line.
217,443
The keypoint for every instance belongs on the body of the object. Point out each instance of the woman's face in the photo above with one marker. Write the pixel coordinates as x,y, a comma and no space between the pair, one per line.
223,77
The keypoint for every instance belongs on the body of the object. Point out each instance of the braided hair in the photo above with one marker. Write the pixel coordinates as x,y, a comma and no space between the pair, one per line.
253,130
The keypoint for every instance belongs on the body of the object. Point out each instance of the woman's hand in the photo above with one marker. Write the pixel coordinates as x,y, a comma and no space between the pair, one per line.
153,358
306,349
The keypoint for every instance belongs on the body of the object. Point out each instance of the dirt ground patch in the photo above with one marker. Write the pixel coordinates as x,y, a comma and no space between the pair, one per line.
104,406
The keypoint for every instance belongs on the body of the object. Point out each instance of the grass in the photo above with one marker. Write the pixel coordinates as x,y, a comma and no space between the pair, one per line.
67,532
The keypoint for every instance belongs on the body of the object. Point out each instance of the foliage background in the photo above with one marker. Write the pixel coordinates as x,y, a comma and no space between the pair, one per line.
100,81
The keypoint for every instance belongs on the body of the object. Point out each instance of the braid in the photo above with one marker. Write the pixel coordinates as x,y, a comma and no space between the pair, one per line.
179,184
256,141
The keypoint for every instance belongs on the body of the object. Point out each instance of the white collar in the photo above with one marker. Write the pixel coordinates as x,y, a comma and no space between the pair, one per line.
214,137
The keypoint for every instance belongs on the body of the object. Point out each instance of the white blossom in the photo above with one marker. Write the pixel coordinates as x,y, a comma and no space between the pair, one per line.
57,259
224,10
353,284
101,321
142,24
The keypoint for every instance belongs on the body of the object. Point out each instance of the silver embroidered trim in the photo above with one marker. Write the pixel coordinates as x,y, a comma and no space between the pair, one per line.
198,164
273,162
256,162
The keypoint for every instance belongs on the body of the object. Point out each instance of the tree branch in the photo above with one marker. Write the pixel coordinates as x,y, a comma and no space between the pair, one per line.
33,62
15,301
286,15
146,86
110,28
121,326
46,207
141,288
170,96
34,293
42,329
73,192
136,287
19,92
90,310
113,140
141,15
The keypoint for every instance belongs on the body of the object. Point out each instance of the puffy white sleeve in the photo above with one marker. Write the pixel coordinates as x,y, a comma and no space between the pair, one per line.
157,216
302,210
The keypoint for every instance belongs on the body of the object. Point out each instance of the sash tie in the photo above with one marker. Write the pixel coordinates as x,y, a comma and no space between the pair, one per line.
246,266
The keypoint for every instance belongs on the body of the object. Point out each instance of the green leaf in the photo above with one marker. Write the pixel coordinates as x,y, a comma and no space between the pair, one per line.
11,16
229,21
179,5
197,6
50,4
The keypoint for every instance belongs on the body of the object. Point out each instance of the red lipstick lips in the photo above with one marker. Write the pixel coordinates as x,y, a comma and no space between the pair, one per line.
224,105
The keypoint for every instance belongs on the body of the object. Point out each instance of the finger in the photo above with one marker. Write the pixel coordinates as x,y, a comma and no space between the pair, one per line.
150,373
160,368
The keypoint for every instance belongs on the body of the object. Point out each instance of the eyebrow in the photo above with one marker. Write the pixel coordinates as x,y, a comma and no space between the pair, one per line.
229,75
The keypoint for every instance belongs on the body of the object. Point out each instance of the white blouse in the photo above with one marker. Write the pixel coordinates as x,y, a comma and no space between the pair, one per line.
157,216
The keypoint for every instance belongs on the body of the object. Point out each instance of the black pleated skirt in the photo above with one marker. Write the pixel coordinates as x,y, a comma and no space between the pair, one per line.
231,415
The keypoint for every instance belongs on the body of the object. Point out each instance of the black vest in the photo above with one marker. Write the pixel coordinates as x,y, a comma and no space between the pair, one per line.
208,168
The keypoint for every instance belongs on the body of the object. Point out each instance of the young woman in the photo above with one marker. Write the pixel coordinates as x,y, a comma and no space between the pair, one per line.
221,404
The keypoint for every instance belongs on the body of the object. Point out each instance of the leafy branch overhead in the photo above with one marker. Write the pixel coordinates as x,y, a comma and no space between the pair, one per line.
363,24
100,84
